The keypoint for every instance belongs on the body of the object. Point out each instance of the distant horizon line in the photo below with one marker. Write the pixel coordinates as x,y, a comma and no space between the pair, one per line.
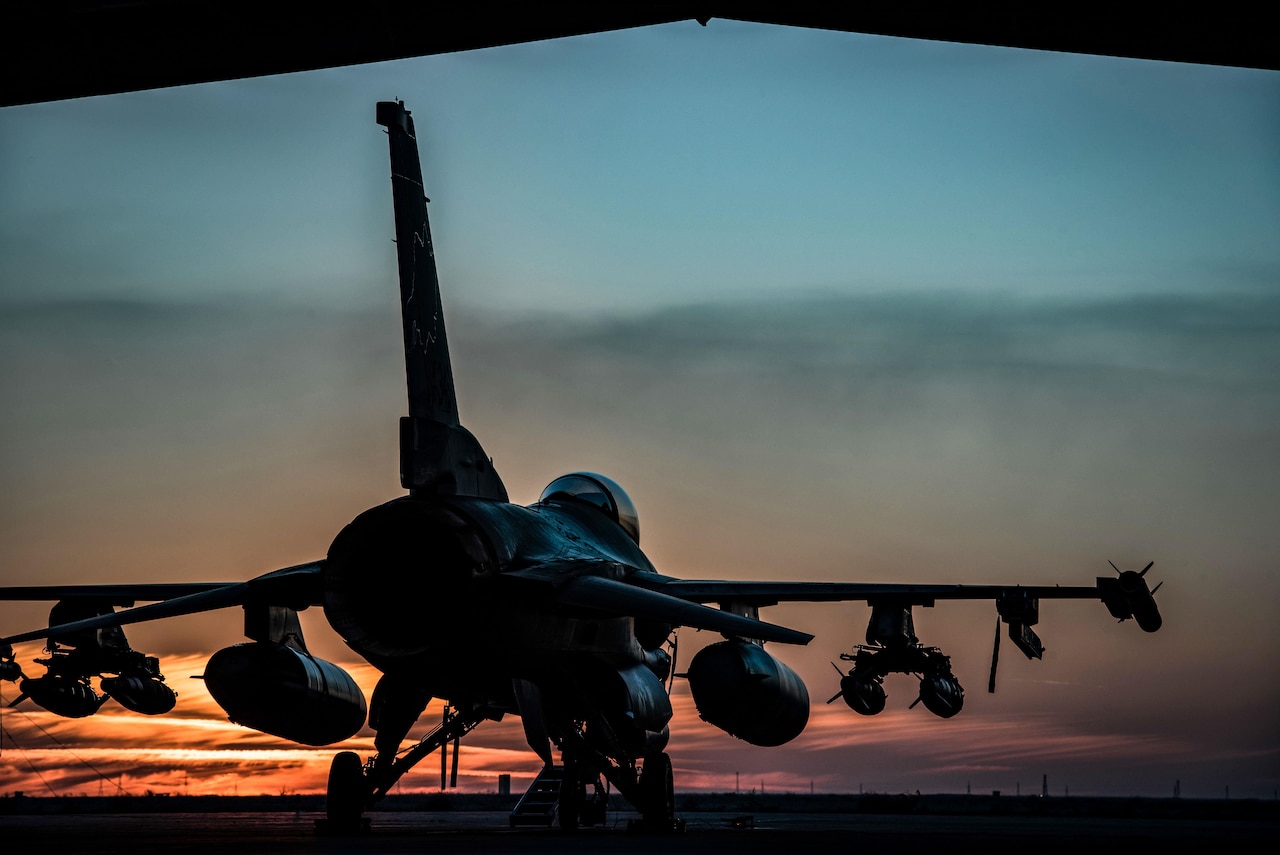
514,796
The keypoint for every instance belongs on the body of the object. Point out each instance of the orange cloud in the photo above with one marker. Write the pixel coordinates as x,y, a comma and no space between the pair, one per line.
196,750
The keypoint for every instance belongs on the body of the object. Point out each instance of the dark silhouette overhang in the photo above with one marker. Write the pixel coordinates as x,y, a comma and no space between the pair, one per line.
58,49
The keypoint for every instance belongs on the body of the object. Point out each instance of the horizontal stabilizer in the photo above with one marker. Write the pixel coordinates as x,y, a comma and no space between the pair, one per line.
609,595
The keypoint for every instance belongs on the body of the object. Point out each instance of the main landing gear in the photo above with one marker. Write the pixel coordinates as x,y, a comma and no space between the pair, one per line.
649,787
656,796
346,796
578,807
647,783
354,786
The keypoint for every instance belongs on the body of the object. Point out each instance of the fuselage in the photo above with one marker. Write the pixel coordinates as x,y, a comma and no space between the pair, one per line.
455,589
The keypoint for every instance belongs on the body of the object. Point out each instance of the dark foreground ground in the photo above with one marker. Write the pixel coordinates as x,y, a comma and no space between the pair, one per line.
897,825
482,832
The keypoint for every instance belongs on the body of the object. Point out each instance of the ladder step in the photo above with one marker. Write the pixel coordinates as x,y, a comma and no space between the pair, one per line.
539,803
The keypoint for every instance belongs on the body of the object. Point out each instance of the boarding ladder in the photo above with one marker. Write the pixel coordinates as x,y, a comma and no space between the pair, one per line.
539,803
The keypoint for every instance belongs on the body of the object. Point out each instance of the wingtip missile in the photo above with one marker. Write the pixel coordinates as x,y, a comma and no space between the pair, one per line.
1128,596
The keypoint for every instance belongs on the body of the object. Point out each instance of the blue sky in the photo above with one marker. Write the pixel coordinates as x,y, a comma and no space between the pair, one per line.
642,167
829,306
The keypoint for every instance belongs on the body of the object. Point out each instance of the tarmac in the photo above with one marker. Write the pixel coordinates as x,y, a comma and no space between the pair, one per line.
705,833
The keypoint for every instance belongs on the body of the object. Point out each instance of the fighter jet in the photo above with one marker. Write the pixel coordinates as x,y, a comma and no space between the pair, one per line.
550,612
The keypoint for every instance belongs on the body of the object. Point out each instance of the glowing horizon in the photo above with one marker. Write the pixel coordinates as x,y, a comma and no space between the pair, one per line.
133,754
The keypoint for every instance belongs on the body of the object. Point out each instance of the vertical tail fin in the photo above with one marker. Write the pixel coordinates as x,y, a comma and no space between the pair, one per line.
437,455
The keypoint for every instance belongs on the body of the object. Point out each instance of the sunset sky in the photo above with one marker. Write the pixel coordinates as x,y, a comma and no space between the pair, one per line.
829,306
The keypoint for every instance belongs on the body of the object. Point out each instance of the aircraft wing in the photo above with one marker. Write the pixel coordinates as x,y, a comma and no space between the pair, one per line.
1125,595
772,593
680,601
644,595
297,587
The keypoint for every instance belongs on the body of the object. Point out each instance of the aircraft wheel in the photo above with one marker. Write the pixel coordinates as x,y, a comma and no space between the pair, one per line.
595,808
345,796
658,791
570,806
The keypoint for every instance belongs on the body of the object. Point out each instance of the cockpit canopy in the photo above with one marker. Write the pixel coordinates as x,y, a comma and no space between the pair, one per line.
600,492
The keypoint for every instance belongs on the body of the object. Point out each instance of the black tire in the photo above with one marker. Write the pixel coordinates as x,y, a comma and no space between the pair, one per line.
658,791
345,796
570,806
595,808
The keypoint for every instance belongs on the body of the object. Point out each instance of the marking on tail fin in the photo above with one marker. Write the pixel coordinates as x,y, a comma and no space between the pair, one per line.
437,455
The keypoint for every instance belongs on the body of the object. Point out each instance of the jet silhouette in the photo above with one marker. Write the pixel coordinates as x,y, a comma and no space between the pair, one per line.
549,611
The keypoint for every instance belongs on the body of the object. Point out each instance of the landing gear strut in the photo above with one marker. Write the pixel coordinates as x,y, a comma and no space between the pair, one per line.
571,796
647,783
577,806
355,786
